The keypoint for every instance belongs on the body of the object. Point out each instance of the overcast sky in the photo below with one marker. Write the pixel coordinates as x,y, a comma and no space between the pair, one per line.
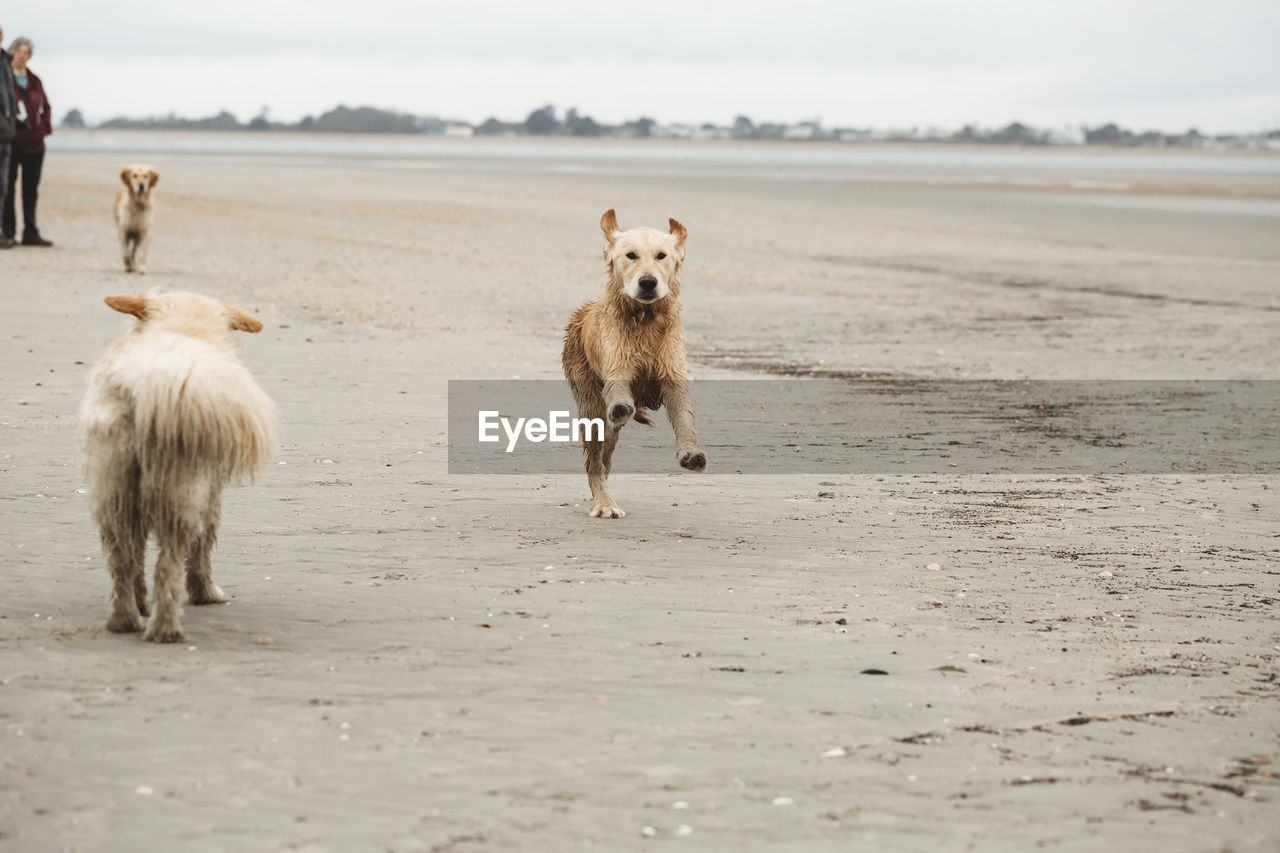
893,63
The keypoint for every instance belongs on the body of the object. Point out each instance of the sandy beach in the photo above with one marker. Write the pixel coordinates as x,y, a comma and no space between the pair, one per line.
418,661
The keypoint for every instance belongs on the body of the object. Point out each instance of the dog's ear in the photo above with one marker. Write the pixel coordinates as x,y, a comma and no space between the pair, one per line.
241,320
124,177
128,303
155,177
678,231
609,225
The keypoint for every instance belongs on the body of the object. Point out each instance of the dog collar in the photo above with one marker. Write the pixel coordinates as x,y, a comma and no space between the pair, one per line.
641,311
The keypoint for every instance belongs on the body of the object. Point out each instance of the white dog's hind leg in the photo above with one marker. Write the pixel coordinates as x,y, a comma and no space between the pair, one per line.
166,620
124,541
200,586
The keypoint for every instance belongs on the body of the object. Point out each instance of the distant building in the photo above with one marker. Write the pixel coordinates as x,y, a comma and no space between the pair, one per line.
458,130
804,130
710,131
1150,139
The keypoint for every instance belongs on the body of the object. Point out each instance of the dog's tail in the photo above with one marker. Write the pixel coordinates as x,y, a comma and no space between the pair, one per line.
641,416
194,406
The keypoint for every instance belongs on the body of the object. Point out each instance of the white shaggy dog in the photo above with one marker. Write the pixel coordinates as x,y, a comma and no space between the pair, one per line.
171,416
134,208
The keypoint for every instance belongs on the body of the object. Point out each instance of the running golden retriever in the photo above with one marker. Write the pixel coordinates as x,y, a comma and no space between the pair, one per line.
134,208
624,352
171,416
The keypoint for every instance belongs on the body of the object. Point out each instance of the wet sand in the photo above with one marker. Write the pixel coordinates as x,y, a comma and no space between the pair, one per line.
413,660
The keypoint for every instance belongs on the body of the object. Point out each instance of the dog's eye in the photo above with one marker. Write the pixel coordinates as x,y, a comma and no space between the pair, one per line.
661,255
631,255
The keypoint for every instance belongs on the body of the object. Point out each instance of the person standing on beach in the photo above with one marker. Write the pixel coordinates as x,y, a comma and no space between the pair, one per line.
8,126
28,145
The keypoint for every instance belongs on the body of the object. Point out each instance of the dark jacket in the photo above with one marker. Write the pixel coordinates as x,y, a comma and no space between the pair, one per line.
30,139
8,107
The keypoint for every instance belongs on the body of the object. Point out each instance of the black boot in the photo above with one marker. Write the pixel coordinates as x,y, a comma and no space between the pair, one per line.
33,238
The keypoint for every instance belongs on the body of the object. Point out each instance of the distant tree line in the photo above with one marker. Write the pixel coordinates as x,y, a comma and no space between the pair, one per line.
341,119
545,121
1018,133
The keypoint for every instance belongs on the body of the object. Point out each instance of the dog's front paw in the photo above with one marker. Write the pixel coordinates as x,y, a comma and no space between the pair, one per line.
141,270
609,510
694,460
124,623
157,633
620,412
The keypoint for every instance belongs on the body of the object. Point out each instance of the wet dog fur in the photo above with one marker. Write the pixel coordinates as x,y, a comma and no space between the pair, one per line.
624,352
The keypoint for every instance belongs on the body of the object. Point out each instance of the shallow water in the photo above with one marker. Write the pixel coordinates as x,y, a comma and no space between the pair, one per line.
608,152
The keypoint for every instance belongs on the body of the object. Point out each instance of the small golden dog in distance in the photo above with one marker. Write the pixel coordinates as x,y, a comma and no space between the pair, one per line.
624,352
170,417
133,215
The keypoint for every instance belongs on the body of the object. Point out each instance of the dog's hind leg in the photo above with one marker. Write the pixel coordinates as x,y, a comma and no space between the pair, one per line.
175,543
679,406
140,589
166,622
200,586
124,541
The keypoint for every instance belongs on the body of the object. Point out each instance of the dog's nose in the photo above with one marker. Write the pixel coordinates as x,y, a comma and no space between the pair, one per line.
648,283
